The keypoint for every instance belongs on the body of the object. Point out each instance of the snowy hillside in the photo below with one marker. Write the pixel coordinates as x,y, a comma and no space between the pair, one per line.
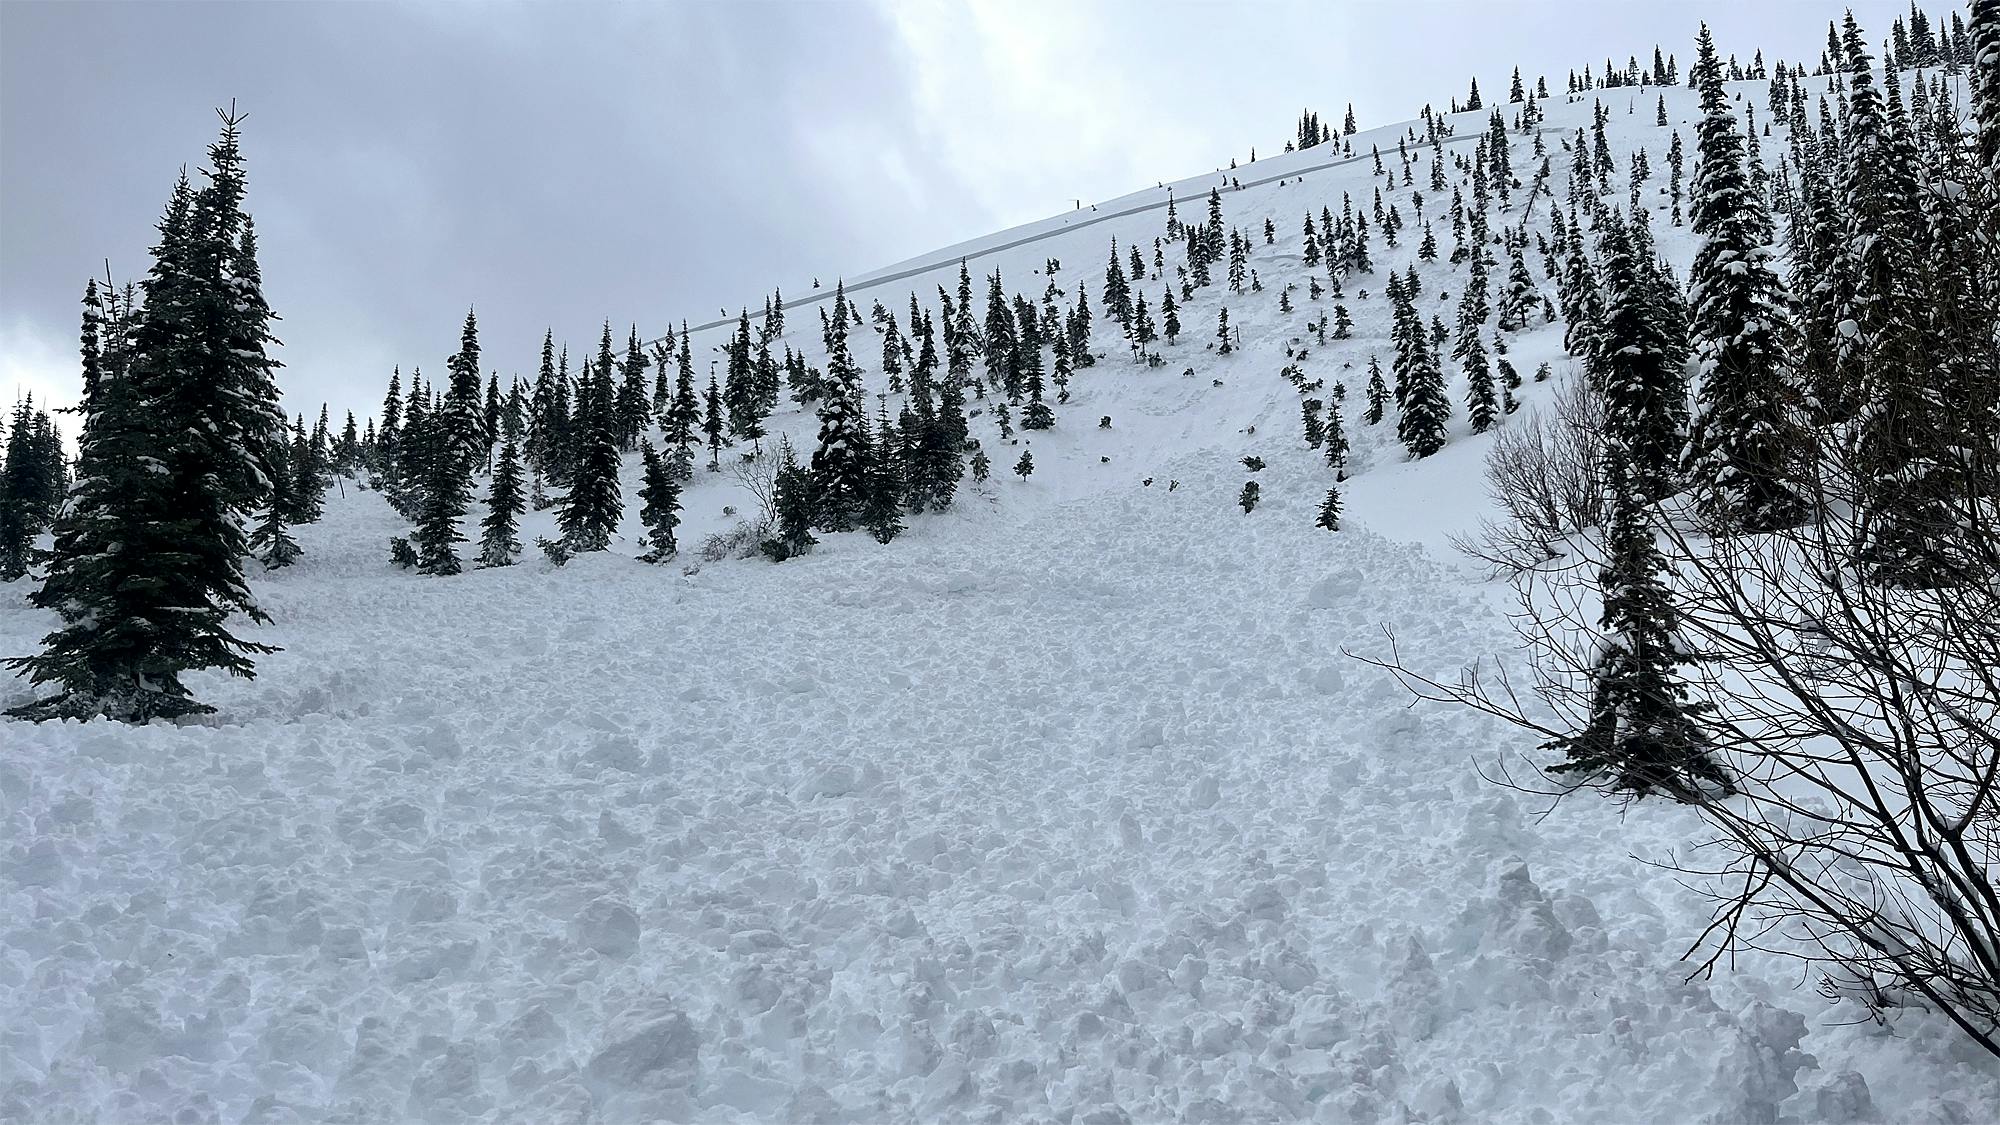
1064,806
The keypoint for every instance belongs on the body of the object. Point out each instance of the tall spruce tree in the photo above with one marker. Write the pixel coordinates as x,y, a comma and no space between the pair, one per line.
1905,486
499,539
590,513
1636,369
840,463
660,505
461,419
795,499
882,508
146,568
1643,735
446,489
1743,440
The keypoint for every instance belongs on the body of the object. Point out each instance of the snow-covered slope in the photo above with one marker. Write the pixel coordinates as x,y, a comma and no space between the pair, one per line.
1065,806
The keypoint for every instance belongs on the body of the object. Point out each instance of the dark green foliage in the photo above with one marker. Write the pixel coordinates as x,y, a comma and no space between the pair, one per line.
1643,735
882,505
590,513
460,421
446,490
633,406
1378,393
29,489
1481,403
1742,442
1637,363
1247,499
840,463
742,390
1025,467
401,554
660,499
712,424
499,539
271,539
1329,510
795,501
177,446
1425,411
557,551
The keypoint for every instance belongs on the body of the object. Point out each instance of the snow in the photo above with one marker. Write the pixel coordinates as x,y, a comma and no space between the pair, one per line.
1067,806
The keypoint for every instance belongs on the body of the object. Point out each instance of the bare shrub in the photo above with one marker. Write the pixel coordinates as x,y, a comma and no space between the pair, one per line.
759,477
1545,472
739,541
1860,722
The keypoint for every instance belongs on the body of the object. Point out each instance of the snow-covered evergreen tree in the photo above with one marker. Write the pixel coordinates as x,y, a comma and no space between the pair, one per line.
1743,443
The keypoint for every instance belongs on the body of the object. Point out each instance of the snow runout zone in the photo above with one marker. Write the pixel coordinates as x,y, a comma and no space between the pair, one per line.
1079,816
1065,806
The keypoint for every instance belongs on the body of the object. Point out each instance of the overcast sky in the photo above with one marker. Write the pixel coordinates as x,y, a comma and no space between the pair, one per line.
553,165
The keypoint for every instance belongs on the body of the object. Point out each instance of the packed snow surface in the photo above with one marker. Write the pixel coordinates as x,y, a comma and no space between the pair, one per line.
1066,806
1080,815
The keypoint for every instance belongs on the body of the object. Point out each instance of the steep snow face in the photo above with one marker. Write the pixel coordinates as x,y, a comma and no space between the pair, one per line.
1067,805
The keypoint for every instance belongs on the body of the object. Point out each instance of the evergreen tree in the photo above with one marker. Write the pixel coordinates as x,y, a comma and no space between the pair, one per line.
794,499
740,390
683,414
1170,315
18,482
1223,345
489,421
1636,370
499,539
660,499
271,537
1480,401
1329,510
712,424
1025,467
446,489
1420,398
1741,443
1643,734
308,479
460,423
633,405
1143,332
1884,347
882,508
1001,343
1247,499
146,567
543,429
1520,299
225,339
840,463
1378,393
590,513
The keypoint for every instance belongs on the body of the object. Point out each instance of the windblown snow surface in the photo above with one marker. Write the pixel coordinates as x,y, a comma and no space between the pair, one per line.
1066,806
